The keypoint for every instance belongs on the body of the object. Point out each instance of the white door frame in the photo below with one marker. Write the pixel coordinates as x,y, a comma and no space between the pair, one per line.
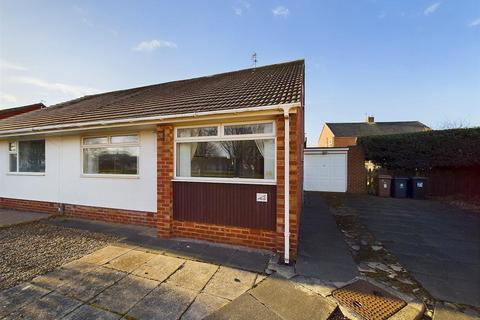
327,151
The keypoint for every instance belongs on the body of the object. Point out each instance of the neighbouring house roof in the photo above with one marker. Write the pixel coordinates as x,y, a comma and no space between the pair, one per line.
359,129
10,112
262,86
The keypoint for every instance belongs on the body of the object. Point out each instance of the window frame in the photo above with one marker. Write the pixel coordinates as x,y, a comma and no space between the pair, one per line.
17,153
222,137
109,136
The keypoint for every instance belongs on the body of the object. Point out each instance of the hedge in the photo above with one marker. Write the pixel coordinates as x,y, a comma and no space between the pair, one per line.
424,150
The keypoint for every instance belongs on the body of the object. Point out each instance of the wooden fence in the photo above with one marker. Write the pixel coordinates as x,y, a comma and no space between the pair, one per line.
464,182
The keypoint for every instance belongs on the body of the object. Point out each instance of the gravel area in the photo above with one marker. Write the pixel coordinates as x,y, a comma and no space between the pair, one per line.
33,249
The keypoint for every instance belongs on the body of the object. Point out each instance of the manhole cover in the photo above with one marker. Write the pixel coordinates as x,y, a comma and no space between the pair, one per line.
368,301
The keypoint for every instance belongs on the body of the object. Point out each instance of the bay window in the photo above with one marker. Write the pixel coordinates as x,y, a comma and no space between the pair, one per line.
26,156
237,151
111,155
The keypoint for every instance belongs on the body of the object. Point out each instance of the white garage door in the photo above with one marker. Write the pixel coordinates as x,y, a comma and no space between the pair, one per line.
325,172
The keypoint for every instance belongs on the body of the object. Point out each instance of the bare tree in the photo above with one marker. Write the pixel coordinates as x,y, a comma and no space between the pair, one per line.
454,124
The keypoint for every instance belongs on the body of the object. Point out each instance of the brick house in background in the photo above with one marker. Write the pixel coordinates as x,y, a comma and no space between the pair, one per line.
217,158
10,112
346,134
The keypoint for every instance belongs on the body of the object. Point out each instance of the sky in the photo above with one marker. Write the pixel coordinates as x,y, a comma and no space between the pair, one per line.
393,59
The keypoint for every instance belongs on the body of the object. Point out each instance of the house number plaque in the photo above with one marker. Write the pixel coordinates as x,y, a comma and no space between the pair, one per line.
262,197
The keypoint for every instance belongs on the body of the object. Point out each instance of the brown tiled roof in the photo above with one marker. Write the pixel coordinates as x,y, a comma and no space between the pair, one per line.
360,129
10,112
262,86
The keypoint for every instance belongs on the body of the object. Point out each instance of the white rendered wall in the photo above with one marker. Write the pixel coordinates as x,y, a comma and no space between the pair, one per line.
64,183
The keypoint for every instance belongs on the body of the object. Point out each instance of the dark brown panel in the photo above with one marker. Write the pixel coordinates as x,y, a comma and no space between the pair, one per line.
224,204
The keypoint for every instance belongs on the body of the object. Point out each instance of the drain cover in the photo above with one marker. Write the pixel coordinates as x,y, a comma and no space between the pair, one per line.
368,301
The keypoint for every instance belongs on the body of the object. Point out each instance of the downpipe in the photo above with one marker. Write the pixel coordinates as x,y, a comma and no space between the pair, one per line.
287,186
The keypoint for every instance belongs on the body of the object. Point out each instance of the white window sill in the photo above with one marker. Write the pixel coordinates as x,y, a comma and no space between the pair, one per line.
25,173
111,176
226,180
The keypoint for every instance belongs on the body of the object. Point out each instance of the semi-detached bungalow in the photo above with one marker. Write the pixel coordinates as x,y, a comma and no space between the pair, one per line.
217,158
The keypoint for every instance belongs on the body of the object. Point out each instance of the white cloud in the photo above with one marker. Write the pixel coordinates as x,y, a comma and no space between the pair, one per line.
87,22
238,11
154,44
431,9
281,11
71,90
6,65
241,7
475,23
7,98
78,9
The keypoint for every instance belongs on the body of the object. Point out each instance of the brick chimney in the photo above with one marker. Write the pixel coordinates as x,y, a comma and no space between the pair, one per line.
370,119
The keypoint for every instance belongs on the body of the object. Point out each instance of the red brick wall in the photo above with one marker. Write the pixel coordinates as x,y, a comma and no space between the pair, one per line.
256,238
86,212
356,172
296,180
339,142
164,180
167,227
29,205
142,218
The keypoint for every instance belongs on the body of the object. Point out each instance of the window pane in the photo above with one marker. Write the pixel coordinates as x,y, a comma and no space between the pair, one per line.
197,132
249,128
125,139
12,147
254,159
31,156
97,140
112,160
13,162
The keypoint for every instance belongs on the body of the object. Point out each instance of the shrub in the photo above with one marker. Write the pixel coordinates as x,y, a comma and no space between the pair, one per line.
424,150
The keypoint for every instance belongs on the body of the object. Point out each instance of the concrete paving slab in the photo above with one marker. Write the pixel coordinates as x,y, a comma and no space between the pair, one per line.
159,268
13,217
104,255
67,273
185,249
318,286
203,306
244,307
87,312
290,302
124,294
260,278
230,283
130,260
193,275
52,306
164,302
13,298
255,261
247,259
92,283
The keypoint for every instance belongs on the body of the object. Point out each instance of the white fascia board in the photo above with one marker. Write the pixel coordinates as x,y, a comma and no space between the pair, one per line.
142,120
324,150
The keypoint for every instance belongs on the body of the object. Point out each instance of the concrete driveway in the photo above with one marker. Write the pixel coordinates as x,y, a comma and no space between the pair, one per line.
437,243
322,252
10,217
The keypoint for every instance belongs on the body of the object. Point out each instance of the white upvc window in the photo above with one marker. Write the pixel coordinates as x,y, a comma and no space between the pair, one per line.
26,156
111,155
226,152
